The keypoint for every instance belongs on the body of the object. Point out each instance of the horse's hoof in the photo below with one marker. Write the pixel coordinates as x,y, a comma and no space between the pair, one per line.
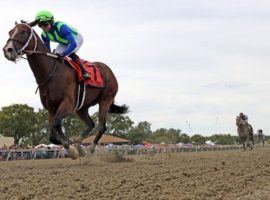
73,153
81,150
92,148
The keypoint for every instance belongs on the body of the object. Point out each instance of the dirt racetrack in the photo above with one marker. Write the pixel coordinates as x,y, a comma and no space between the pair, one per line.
203,175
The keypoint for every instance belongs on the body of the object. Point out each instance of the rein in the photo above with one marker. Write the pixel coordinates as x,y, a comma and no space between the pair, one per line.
43,53
42,83
53,70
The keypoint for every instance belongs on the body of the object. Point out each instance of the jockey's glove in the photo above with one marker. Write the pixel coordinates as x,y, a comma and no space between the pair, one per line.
60,57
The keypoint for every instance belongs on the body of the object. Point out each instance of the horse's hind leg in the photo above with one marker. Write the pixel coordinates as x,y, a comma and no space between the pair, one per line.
101,128
84,116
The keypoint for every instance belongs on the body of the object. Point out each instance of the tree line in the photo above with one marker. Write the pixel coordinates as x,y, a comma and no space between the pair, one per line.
30,127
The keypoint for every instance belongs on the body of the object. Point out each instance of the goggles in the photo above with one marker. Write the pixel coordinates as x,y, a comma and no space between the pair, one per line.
43,24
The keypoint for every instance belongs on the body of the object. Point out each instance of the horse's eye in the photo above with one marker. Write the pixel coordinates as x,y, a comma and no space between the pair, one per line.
23,32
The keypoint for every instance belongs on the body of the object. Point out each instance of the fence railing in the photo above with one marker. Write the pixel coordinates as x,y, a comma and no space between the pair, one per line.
27,154
42,153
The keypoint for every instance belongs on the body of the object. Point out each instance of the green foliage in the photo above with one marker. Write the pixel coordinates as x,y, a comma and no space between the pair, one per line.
184,138
31,128
72,125
117,125
198,139
41,130
169,136
139,133
237,140
18,121
223,139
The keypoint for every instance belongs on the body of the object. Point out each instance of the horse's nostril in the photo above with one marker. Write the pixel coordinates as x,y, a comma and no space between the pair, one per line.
10,49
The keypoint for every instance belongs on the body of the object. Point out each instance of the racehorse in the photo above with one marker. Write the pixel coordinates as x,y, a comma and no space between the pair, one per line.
261,138
245,132
58,86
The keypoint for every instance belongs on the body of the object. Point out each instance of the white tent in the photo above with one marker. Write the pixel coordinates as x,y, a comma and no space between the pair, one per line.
209,142
7,141
52,146
180,144
41,146
162,143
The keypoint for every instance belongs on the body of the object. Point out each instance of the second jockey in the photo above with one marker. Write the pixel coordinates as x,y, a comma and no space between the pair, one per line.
243,117
69,39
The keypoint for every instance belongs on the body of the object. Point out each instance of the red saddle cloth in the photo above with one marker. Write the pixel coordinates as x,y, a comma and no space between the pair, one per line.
96,79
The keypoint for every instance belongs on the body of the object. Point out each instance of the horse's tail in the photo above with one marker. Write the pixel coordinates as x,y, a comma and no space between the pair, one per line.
118,109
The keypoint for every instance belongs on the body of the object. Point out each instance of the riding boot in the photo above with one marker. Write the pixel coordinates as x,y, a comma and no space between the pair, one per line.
81,65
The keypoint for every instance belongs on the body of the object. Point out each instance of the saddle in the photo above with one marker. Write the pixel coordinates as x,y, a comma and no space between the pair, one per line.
96,78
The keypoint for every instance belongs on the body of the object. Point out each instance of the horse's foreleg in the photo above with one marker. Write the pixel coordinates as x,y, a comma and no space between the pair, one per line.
63,110
244,144
53,132
248,142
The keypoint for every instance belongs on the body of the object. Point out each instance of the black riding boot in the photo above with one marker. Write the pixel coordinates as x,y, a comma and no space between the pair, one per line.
84,72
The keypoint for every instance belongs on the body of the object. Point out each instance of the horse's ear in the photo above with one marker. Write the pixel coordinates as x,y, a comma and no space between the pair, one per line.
34,23
16,23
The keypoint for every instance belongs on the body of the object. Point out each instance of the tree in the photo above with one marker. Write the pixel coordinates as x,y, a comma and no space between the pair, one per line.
198,139
72,125
169,136
41,129
224,139
117,125
18,121
139,133
184,138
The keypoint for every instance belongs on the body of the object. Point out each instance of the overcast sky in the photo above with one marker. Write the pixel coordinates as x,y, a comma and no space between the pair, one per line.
186,64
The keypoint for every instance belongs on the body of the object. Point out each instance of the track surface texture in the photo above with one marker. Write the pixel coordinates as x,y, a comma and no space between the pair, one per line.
203,175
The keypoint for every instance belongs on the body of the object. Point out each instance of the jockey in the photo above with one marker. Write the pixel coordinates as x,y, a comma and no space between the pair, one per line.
260,132
69,39
243,117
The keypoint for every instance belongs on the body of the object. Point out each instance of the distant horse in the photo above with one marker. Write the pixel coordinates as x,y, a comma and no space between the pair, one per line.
261,138
58,86
245,132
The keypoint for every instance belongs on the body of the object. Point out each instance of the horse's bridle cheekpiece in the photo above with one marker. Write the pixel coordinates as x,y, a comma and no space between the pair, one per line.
22,50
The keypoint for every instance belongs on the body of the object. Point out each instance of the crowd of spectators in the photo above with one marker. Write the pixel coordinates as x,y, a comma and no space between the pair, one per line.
41,152
51,152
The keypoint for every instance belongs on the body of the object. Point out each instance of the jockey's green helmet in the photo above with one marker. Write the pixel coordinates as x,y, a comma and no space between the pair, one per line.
44,16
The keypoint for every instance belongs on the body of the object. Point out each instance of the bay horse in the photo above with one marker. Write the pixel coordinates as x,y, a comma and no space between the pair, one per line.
58,86
245,132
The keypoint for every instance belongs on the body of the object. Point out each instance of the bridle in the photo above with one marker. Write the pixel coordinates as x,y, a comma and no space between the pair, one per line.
22,51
